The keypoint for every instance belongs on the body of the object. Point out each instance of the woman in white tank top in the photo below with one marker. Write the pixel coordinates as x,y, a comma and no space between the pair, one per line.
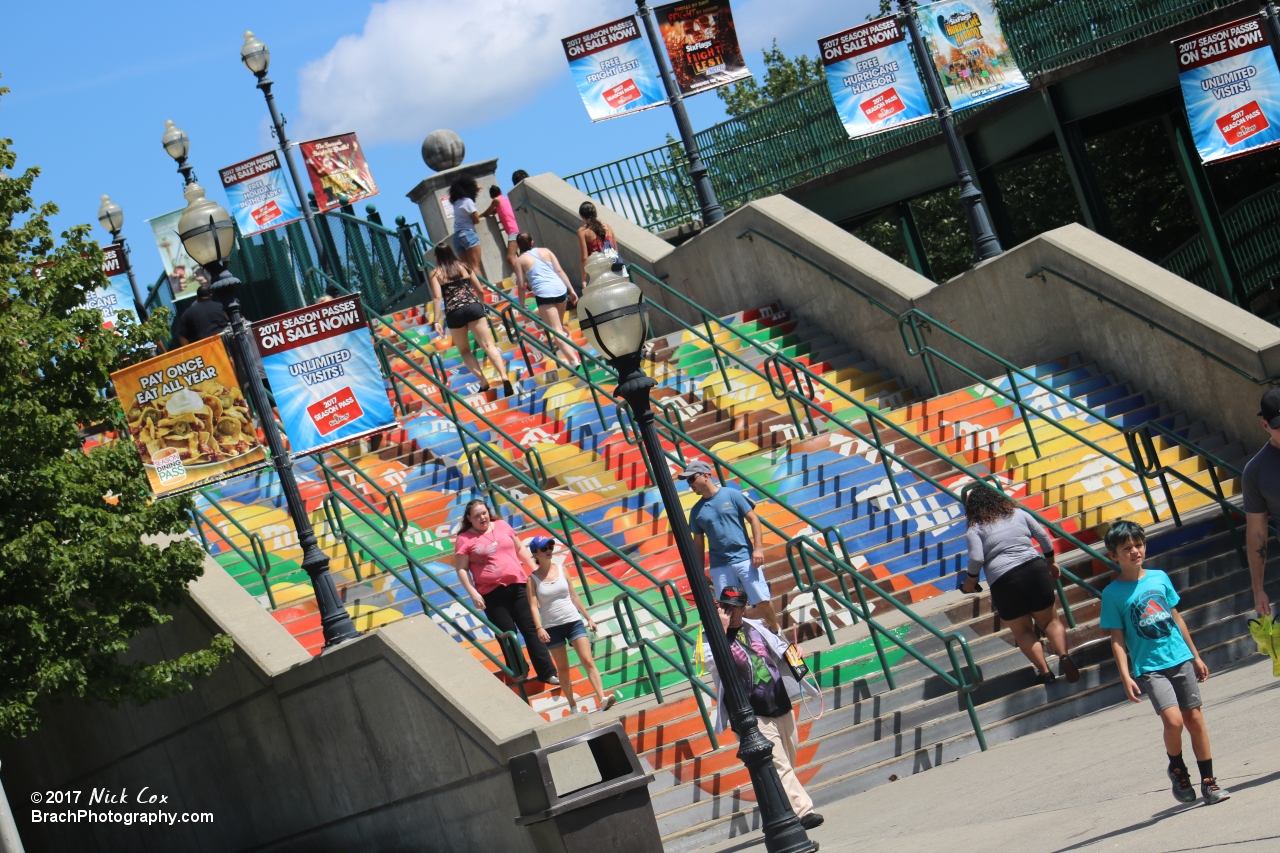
558,614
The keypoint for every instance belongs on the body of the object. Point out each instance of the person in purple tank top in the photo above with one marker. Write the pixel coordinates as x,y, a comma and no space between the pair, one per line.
500,206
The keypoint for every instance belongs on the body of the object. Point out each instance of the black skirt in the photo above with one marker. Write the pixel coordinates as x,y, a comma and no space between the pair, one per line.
1024,589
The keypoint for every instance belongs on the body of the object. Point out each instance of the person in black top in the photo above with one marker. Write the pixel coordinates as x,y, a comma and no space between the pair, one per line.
204,318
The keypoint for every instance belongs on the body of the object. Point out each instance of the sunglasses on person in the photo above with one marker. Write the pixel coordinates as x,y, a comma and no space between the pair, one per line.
545,549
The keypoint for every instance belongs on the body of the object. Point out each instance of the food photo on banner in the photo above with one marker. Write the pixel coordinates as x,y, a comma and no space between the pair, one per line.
972,58
702,44
337,169
872,78
324,374
259,194
1231,88
188,417
185,275
614,69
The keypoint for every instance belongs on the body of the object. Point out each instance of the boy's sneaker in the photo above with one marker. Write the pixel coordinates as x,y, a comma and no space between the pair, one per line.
1212,793
1183,790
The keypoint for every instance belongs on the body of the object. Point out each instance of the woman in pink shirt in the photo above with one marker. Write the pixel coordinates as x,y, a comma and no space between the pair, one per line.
493,566
501,207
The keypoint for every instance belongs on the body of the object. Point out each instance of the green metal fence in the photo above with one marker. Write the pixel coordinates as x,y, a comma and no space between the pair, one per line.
800,136
1253,227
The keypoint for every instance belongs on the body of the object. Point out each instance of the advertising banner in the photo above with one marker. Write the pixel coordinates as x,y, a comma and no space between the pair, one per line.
117,295
1231,88
259,194
873,81
188,417
614,69
702,44
324,374
185,275
336,167
969,51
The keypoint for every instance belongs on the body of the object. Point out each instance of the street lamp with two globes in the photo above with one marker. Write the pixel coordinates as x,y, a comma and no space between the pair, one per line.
611,314
208,234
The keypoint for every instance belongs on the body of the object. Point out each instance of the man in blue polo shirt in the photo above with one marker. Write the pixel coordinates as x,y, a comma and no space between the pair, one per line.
719,518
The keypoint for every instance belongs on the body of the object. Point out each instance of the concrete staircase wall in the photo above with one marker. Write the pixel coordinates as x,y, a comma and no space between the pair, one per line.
396,741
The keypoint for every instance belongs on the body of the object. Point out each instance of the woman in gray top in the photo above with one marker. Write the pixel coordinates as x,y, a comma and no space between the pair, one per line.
1001,541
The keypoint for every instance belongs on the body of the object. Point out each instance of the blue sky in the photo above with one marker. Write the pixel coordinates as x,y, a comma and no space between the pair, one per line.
92,84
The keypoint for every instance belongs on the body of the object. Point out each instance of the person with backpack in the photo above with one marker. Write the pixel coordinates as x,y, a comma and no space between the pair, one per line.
759,657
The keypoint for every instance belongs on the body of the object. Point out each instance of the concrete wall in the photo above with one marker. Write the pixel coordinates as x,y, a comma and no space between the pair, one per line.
732,266
396,741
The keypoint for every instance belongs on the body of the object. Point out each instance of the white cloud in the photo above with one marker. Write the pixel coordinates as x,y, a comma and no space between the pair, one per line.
420,65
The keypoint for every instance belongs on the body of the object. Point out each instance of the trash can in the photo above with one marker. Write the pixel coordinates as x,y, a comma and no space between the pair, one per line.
587,793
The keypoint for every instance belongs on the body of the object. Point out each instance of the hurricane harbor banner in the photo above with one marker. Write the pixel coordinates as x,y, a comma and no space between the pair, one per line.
259,194
969,52
188,417
324,374
337,169
1231,88
702,44
873,81
117,295
614,70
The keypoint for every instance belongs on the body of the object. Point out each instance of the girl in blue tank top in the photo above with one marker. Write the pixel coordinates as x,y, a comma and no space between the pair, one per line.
541,273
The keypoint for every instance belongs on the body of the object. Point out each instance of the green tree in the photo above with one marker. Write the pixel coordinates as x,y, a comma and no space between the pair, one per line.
782,76
77,582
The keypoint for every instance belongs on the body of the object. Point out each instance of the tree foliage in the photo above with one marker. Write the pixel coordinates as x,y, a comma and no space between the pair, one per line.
782,76
77,582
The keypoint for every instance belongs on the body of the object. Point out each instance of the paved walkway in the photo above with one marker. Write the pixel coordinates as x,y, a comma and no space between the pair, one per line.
1094,783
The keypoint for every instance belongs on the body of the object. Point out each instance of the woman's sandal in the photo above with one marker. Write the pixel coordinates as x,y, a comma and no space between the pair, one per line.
1046,677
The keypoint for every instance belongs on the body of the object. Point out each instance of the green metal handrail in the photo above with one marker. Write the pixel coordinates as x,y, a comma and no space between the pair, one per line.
673,602
914,318
258,561
352,541
1041,270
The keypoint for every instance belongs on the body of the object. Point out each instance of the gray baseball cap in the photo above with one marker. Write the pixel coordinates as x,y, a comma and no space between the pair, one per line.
696,467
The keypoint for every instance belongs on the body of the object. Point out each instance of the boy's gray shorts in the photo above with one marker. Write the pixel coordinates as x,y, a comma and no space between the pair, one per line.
1176,685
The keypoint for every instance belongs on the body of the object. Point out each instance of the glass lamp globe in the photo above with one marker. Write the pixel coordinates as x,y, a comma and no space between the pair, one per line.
611,314
175,141
205,228
110,215
254,54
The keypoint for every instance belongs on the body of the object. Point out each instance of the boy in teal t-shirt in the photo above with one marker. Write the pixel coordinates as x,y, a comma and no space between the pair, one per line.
1155,655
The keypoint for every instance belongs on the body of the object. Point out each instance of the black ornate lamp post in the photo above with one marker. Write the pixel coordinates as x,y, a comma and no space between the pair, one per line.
208,235
712,212
614,323
256,57
985,243
177,145
111,218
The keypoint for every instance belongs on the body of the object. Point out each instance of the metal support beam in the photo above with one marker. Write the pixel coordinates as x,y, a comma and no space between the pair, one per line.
916,251
1079,169
1221,256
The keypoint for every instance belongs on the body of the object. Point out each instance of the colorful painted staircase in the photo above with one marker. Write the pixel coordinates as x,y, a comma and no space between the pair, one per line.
401,495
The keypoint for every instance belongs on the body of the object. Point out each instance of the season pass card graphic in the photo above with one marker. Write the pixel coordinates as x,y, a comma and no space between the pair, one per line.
324,374
1231,87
